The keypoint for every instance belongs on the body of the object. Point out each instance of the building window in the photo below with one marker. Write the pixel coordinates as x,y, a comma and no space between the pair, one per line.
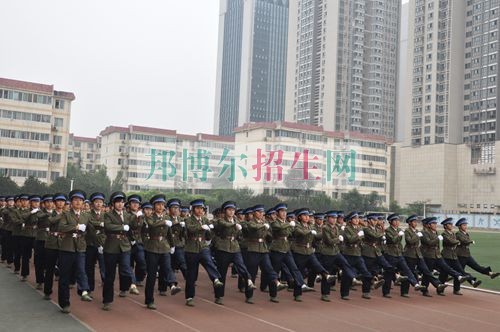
57,140
58,122
55,158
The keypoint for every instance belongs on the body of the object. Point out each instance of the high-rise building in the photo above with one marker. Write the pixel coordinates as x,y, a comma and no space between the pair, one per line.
251,65
343,65
436,67
403,84
34,130
84,153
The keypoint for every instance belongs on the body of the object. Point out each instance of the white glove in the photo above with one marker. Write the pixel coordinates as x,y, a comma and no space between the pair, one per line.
341,238
313,232
473,242
172,250
211,226
209,242
205,227
342,227
133,242
100,250
401,233
139,213
35,211
419,234
266,226
292,223
238,227
440,237
383,237
182,223
81,227
23,225
361,233
101,224
126,228
168,223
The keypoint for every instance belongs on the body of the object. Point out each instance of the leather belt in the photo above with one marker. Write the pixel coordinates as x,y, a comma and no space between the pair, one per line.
307,245
117,236
159,238
259,240
196,238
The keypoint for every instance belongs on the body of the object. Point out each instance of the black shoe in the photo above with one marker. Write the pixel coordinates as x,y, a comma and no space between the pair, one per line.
440,288
457,293
387,296
493,275
476,283
405,295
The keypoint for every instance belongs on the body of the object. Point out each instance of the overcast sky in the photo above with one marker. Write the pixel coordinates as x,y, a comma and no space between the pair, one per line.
147,62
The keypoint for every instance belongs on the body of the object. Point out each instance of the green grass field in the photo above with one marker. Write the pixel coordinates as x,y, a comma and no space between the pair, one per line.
486,252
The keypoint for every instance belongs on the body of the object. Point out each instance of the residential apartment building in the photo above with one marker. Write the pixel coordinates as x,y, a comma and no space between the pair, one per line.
342,66
34,130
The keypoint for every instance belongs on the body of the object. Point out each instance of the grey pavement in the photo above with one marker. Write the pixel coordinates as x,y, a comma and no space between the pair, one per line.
23,309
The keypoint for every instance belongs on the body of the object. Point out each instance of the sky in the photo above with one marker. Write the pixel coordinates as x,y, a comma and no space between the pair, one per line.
148,62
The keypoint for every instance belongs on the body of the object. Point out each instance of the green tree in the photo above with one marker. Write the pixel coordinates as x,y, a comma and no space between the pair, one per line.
117,184
415,208
352,201
8,186
394,207
60,185
33,185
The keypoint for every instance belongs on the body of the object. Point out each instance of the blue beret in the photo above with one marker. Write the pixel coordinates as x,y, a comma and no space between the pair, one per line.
229,205
46,198
240,211
2,198
392,217
372,216
146,205
270,211
134,198
78,194
198,202
184,208
351,216
35,198
447,221
160,198
118,195
429,220
411,218
290,215
173,202
281,206
24,196
259,207
461,221
60,197
332,214
302,211
9,198
319,216
96,195
340,214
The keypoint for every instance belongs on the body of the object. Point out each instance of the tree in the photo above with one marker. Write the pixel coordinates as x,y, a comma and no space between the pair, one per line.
416,208
33,185
371,202
395,208
8,186
294,179
352,201
117,184
60,185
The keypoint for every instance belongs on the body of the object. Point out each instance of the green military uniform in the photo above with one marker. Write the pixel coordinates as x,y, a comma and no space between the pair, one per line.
95,235
394,246
226,235
430,244
372,241
352,241
256,236
117,240
450,244
463,247
178,232
331,241
71,239
160,238
412,244
281,232
196,235
303,239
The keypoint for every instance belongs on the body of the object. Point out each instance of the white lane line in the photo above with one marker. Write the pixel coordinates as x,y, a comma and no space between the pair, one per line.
166,316
248,315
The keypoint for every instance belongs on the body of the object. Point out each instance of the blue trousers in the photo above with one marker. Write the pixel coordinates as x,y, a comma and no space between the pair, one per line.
223,259
153,262
193,261
110,262
278,259
93,256
69,262
262,260
138,262
358,263
332,264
